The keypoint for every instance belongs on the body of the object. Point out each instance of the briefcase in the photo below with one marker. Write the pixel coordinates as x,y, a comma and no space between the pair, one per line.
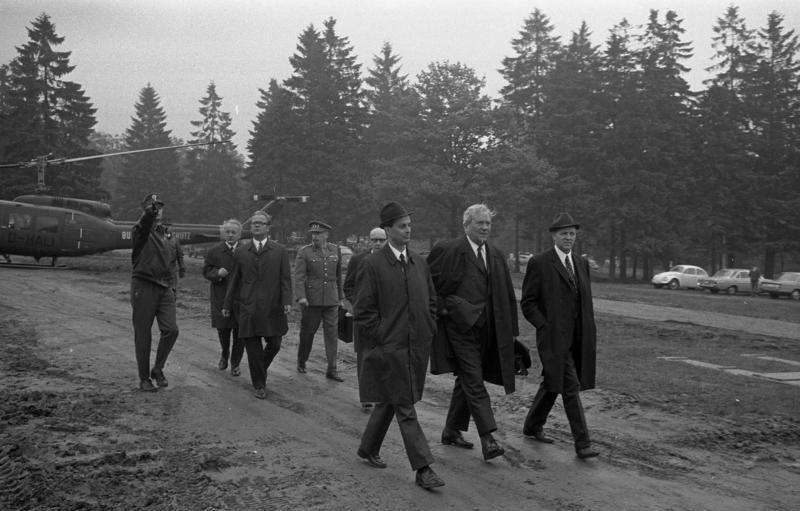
345,325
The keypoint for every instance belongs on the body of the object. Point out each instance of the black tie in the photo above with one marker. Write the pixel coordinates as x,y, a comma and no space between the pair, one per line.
480,258
258,246
571,272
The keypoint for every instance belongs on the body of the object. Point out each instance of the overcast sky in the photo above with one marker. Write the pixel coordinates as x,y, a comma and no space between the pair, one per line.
180,46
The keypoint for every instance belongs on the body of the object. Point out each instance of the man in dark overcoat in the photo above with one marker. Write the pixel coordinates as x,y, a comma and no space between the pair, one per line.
394,316
557,300
377,239
217,268
478,327
262,282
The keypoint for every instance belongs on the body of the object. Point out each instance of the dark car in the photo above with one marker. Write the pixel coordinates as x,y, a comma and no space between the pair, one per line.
786,284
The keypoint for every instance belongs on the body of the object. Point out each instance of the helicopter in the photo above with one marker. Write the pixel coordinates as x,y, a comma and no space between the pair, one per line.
40,225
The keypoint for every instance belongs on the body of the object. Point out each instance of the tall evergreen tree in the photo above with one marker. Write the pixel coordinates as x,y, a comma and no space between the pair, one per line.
213,190
43,113
772,92
391,146
535,54
148,172
329,102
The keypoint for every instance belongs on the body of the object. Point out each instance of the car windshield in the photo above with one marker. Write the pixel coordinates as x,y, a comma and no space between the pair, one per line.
724,273
789,277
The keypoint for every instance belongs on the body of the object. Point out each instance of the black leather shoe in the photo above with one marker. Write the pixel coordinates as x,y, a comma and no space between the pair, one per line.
490,447
453,437
586,452
158,376
538,435
427,478
301,368
235,371
147,386
333,375
261,393
223,364
373,460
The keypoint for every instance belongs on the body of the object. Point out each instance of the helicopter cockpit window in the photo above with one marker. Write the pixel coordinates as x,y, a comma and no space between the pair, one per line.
19,221
47,224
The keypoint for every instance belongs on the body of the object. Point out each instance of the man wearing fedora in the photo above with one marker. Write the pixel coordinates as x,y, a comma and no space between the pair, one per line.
319,293
394,316
152,292
557,300
477,327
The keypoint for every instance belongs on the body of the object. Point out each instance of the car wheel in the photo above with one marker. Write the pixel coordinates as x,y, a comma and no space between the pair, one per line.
731,290
674,284
774,295
795,294
657,286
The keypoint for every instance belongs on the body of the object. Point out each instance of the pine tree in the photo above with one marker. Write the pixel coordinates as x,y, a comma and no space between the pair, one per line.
43,113
149,172
536,50
772,92
213,190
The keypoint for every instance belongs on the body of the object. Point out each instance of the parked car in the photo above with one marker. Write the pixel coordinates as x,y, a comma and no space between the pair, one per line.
730,280
683,275
523,258
786,284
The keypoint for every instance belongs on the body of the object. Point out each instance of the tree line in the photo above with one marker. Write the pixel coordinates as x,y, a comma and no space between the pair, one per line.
656,172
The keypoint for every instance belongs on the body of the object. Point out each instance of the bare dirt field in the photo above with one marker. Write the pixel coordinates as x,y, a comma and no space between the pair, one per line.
688,414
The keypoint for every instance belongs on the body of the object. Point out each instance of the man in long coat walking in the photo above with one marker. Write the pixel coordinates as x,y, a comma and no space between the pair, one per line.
217,267
478,318
557,300
262,282
394,316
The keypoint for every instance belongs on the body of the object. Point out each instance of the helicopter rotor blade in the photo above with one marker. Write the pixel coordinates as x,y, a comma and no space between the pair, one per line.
59,161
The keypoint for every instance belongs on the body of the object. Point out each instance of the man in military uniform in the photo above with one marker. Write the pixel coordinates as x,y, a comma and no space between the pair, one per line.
319,293
152,294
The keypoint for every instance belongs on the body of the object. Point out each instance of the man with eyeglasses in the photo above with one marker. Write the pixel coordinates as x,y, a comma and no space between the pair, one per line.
265,298
377,239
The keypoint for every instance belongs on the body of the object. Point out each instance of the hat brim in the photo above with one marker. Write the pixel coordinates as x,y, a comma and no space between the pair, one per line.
559,227
390,221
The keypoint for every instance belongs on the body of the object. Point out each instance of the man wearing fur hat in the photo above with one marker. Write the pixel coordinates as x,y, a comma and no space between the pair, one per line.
557,300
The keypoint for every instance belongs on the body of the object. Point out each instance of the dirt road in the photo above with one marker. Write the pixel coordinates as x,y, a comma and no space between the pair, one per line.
75,434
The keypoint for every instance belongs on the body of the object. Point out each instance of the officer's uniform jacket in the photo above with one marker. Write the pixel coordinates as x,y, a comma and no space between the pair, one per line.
318,275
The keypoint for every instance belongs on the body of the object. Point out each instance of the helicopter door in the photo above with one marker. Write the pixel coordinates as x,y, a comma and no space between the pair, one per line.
73,233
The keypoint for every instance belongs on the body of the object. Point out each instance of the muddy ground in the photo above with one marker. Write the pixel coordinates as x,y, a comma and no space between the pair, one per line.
76,434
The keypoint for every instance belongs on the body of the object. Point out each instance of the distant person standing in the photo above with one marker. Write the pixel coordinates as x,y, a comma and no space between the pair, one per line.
557,300
394,314
755,276
478,311
377,239
152,292
218,265
318,288
261,282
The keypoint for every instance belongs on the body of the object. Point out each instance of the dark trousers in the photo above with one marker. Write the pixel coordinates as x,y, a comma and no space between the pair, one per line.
417,450
470,397
544,400
237,351
150,301
312,315
259,359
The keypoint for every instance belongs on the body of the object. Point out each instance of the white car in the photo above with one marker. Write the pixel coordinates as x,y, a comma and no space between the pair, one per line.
683,275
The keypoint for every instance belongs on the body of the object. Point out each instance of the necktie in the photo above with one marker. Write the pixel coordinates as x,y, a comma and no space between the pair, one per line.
403,260
258,246
571,272
481,261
